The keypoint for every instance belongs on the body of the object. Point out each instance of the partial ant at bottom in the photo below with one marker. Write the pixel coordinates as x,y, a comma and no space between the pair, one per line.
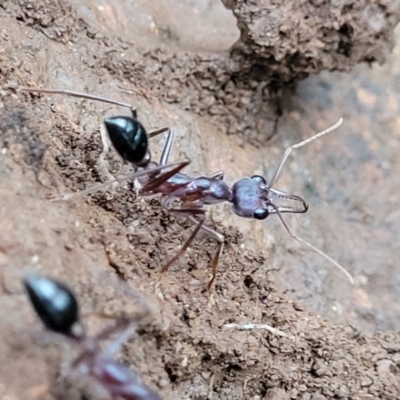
249,197
57,307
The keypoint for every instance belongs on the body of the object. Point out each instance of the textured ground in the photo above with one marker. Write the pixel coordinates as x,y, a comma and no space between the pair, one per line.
341,342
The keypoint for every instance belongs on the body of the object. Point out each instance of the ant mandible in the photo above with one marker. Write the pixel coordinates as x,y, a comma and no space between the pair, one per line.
250,197
57,307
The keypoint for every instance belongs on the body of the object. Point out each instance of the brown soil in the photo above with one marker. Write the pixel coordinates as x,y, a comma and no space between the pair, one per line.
287,40
240,89
107,244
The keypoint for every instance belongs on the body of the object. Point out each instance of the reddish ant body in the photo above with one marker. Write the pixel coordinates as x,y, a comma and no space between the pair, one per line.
250,197
58,309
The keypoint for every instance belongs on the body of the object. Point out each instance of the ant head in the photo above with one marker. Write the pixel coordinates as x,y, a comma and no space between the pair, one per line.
53,302
128,137
250,197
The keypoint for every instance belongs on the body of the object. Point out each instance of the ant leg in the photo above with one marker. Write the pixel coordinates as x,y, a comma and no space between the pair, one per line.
114,347
312,247
104,137
196,210
88,97
167,147
156,132
92,343
122,323
214,264
168,144
298,145
128,326
119,325
154,183
132,175
75,94
218,251
210,231
188,241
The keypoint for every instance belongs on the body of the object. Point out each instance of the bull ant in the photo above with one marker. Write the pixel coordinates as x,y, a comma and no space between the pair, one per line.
250,197
57,307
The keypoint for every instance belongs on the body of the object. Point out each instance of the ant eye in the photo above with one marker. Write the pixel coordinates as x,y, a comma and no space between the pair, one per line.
259,179
53,302
261,213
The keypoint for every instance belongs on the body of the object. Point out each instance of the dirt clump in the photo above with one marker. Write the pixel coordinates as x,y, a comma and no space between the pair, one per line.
242,89
56,19
15,131
286,41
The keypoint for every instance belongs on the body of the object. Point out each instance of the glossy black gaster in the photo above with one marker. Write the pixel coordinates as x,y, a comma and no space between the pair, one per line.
57,308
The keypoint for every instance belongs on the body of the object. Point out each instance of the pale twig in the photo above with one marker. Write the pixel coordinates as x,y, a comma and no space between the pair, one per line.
267,327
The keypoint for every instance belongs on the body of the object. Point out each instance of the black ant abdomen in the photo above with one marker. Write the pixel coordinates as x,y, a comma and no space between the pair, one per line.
57,307
128,137
54,303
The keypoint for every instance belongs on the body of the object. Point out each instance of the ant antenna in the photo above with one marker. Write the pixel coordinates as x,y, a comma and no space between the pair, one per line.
312,247
301,144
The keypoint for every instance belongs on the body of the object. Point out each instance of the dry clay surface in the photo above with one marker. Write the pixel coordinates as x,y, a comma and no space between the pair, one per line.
111,244
237,87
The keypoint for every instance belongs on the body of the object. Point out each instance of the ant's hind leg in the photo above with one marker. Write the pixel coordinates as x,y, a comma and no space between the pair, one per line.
177,166
156,182
75,94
